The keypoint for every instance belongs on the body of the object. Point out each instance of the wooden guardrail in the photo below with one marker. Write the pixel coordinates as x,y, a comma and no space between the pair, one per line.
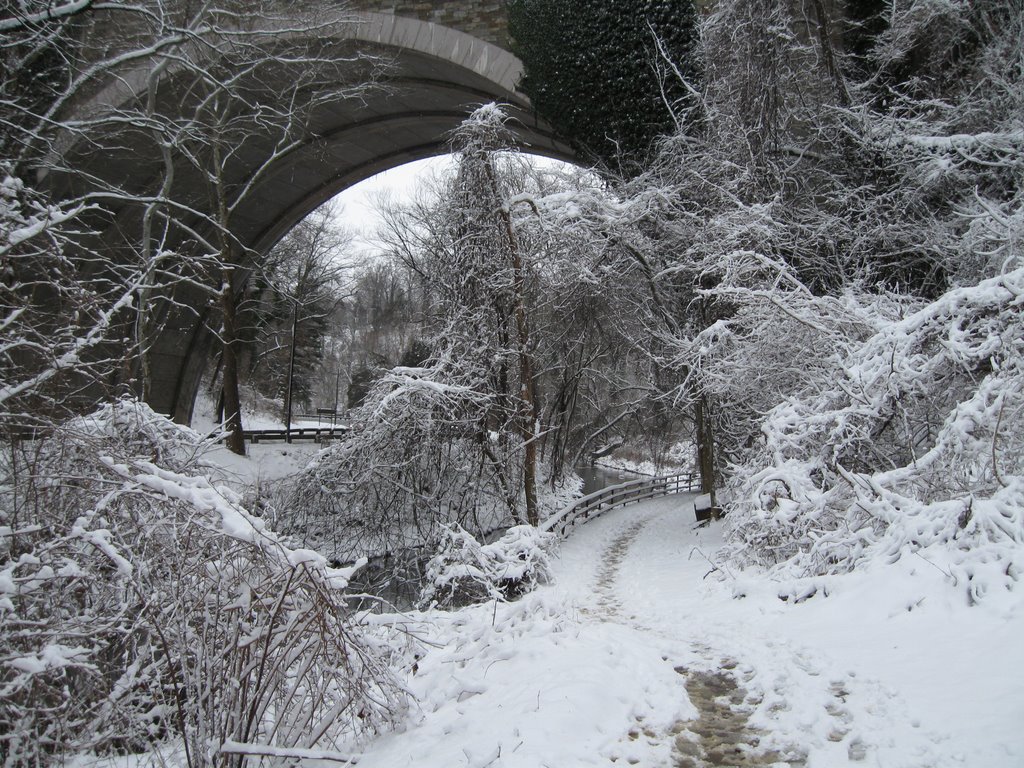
613,496
318,434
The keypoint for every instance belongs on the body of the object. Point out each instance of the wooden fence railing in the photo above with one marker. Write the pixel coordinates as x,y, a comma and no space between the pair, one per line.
291,435
324,415
614,496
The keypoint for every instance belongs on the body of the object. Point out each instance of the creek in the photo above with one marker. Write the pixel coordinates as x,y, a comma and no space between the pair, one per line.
396,579
597,477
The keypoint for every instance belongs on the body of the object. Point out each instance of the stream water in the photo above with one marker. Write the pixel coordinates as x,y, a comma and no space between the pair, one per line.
595,478
396,579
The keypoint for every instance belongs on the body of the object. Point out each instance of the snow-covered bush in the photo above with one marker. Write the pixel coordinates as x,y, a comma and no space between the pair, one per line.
419,457
520,559
463,571
834,264
458,573
139,603
916,449
553,497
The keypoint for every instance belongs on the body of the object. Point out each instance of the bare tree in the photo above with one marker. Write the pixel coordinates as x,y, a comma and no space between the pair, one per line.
815,242
245,98
174,99
530,343
90,262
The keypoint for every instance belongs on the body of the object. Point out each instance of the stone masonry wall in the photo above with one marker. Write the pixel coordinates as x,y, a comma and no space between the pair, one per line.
483,19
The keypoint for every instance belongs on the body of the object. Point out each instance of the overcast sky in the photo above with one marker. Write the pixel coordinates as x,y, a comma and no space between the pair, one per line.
359,212
359,203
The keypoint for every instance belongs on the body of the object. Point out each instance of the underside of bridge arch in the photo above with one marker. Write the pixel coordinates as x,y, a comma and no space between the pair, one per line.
435,76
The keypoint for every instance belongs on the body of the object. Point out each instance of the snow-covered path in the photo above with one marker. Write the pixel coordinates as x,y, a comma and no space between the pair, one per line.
637,655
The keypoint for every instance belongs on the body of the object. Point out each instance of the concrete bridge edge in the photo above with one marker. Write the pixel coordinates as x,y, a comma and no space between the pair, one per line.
485,59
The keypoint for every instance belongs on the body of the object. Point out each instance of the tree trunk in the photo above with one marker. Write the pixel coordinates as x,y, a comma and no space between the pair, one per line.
705,446
235,441
229,385
291,374
825,40
530,439
527,390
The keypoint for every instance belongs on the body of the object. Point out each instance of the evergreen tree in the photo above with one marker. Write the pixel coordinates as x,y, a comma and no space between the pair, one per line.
362,380
599,71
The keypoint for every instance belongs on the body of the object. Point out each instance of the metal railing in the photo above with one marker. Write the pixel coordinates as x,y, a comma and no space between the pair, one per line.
613,496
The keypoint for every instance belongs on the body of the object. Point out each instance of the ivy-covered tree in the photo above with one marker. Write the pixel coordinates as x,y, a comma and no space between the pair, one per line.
609,75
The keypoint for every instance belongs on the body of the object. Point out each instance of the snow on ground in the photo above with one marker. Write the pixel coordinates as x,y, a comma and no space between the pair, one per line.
678,460
264,463
533,684
648,468
893,669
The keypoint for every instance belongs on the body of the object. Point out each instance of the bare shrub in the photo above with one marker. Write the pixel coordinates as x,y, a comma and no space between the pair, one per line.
140,603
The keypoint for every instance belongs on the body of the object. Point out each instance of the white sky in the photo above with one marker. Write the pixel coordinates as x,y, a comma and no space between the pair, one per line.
359,203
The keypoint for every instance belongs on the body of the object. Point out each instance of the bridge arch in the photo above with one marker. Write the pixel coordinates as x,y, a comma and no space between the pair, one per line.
438,75
441,74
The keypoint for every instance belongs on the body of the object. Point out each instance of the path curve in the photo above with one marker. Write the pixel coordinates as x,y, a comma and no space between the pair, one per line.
721,734
760,701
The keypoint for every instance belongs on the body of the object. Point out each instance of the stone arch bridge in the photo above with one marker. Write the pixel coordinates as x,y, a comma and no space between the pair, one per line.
446,57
